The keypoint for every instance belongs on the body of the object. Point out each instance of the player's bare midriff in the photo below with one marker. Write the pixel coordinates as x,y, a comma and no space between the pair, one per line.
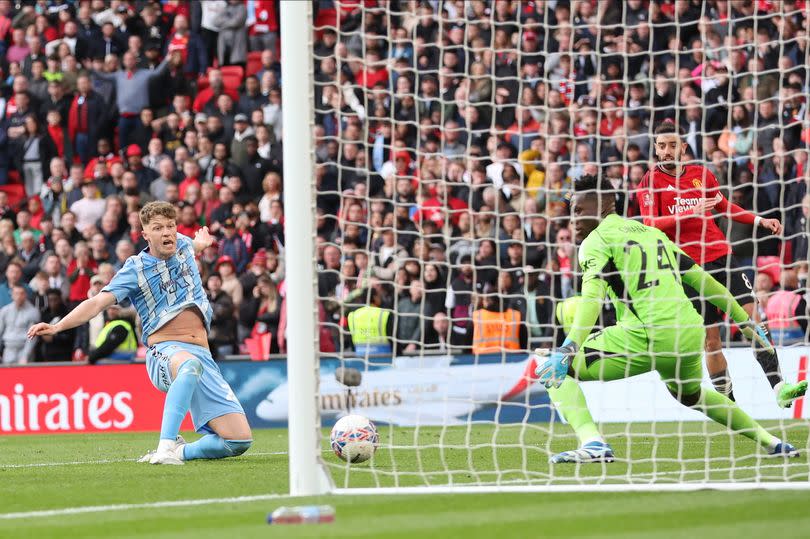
186,327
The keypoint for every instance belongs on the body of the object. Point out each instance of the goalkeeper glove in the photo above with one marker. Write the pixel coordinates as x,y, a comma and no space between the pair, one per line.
757,335
555,368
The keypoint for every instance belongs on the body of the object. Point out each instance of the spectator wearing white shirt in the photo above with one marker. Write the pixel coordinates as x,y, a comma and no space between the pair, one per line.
90,208
15,319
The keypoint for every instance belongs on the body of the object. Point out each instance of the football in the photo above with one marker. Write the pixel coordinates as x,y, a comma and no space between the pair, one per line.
354,438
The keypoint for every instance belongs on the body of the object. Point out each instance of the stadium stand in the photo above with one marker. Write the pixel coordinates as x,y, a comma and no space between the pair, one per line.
446,144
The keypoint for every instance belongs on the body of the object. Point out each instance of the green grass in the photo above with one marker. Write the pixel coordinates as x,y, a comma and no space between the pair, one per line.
92,470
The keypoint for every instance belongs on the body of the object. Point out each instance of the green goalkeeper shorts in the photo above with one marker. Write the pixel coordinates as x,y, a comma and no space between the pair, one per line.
619,352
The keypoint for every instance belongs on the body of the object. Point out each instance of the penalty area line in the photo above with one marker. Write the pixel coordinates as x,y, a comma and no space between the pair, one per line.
130,506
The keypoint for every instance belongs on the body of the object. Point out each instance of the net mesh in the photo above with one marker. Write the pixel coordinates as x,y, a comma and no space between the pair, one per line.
448,138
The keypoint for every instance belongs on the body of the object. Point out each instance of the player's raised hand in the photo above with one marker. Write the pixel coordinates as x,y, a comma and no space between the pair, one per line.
773,225
202,239
42,329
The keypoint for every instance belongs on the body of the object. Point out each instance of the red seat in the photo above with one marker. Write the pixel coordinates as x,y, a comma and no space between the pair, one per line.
235,71
205,96
231,81
14,176
254,62
325,18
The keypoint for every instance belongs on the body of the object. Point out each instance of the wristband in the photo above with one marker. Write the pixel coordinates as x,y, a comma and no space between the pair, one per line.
757,221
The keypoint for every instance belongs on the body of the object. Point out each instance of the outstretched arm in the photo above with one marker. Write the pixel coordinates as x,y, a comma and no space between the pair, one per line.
720,297
78,316
738,214
163,66
106,76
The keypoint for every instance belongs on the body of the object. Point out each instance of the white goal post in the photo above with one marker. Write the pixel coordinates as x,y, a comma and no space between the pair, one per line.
455,421
307,475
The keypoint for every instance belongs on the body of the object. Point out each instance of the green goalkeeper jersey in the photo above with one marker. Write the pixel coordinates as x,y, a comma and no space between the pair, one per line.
641,267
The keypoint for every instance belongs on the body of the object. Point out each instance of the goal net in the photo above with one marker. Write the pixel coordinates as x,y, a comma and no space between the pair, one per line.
447,139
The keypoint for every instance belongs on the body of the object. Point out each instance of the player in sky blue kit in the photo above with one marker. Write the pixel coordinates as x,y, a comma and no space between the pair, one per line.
165,286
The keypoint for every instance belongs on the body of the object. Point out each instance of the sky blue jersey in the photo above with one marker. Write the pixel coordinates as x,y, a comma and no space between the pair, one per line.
161,289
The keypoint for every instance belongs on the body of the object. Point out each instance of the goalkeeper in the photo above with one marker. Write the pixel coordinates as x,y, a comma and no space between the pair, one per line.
657,327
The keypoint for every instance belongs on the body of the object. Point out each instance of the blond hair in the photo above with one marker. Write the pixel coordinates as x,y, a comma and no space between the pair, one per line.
157,209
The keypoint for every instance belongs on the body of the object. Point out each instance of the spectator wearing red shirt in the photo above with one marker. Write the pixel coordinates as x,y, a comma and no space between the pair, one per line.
374,71
59,135
105,156
610,119
262,25
439,206
188,225
5,21
190,45
524,124
192,177
207,203
85,119
80,270
216,87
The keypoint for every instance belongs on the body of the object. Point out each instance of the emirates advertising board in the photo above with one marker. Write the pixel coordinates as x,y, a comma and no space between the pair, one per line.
406,391
62,399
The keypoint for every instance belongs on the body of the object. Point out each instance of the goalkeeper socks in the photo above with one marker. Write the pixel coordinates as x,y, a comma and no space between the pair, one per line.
178,398
212,446
767,358
722,383
572,406
722,410
770,366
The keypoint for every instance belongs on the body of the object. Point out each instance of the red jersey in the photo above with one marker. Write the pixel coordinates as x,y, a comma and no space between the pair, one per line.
178,43
188,230
667,203
266,20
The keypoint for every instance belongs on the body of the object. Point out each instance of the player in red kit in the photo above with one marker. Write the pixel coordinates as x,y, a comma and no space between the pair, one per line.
678,199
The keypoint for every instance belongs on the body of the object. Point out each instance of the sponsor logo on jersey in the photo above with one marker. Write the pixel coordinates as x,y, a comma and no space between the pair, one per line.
587,264
681,204
671,188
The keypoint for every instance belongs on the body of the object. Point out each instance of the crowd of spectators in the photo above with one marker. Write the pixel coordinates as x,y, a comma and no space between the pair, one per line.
447,138
449,135
106,105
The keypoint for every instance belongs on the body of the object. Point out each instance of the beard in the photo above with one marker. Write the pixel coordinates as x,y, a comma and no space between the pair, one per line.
669,164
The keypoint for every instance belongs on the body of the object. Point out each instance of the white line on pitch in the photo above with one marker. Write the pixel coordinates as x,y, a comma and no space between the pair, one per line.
111,461
129,506
710,471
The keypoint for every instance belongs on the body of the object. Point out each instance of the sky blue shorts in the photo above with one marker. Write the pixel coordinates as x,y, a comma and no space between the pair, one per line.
212,398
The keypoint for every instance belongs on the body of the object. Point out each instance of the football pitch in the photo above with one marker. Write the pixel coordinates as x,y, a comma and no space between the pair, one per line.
91,486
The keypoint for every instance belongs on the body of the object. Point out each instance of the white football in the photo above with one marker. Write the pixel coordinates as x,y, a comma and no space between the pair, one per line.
354,438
